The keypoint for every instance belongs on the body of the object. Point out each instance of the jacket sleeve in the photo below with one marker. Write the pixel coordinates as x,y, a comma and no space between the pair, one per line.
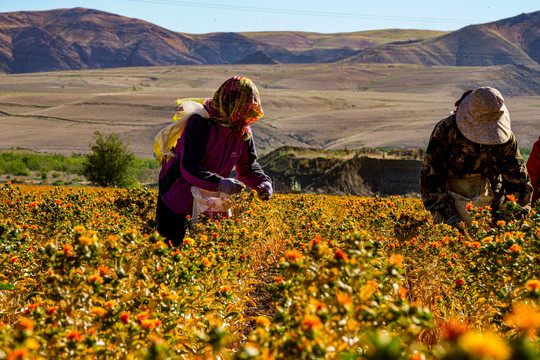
533,168
515,178
195,140
248,169
434,173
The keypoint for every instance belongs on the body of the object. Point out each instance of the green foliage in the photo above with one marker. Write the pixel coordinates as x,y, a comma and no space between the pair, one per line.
110,163
22,163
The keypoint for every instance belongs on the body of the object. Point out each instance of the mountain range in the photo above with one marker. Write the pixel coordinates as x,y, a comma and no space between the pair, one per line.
79,38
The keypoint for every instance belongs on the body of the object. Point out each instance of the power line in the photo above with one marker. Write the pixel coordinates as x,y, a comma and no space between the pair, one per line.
300,12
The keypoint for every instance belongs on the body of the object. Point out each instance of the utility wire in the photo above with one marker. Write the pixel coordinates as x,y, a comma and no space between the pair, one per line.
299,12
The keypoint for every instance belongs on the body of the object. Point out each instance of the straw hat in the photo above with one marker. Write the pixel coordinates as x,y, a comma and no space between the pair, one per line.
483,118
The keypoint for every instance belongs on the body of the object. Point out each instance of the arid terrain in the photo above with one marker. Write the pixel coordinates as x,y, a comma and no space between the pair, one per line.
331,106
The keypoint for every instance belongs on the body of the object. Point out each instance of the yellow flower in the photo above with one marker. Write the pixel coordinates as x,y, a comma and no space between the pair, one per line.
486,346
188,241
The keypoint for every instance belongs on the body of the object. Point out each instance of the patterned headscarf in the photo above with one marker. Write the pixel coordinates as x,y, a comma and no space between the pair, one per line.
236,104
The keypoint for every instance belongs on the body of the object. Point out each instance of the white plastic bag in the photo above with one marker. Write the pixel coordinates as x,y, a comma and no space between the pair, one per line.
211,203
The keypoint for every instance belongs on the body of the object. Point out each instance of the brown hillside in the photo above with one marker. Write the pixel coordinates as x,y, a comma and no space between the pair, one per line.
510,41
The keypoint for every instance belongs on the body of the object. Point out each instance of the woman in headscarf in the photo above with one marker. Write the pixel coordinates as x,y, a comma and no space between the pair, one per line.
473,157
206,153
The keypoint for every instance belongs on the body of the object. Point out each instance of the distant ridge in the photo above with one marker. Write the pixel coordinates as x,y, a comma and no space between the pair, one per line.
79,38
512,41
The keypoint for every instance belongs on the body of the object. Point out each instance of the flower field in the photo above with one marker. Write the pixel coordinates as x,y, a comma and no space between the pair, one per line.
84,276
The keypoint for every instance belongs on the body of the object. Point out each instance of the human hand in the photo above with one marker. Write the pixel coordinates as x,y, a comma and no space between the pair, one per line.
265,191
230,186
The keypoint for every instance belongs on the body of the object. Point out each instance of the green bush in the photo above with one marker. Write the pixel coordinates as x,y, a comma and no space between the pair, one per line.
110,163
14,167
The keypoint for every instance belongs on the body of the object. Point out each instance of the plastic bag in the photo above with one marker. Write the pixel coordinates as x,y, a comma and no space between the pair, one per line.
211,203
165,140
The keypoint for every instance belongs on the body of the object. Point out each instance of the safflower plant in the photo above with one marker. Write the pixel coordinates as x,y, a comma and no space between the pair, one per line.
84,275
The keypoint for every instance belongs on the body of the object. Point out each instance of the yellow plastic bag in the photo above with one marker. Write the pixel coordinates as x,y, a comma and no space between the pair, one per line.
166,139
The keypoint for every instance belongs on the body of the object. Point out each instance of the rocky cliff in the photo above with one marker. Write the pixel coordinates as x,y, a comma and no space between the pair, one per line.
365,172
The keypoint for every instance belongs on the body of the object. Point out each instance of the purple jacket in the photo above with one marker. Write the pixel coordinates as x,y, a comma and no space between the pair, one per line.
205,154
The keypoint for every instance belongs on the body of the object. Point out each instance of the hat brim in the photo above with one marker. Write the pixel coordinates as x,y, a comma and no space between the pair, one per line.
493,129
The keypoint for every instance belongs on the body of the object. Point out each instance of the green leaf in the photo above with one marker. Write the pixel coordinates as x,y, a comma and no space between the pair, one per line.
8,287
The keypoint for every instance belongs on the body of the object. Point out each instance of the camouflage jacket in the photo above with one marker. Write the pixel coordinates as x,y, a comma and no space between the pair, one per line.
450,154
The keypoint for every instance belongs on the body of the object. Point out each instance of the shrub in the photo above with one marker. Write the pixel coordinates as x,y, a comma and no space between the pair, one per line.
110,163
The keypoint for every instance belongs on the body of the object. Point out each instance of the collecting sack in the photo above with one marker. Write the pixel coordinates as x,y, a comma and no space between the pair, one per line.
165,140
472,189
211,203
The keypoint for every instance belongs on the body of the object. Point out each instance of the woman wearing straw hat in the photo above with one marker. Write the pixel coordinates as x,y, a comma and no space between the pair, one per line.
473,157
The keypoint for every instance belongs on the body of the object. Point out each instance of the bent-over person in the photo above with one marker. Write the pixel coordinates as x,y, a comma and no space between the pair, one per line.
473,157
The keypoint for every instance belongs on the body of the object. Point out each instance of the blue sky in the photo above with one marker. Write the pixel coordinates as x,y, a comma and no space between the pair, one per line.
324,16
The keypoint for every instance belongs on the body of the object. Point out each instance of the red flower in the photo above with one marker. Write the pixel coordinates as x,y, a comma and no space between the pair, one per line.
459,282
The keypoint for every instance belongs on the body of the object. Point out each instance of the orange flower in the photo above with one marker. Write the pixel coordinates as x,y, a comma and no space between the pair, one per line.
511,198
18,354
515,248
142,316
188,241
372,283
311,322
225,288
74,335
343,298
27,324
524,317
262,320
532,285
293,255
95,279
103,270
469,206
67,249
396,260
453,328
85,240
99,311
150,324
